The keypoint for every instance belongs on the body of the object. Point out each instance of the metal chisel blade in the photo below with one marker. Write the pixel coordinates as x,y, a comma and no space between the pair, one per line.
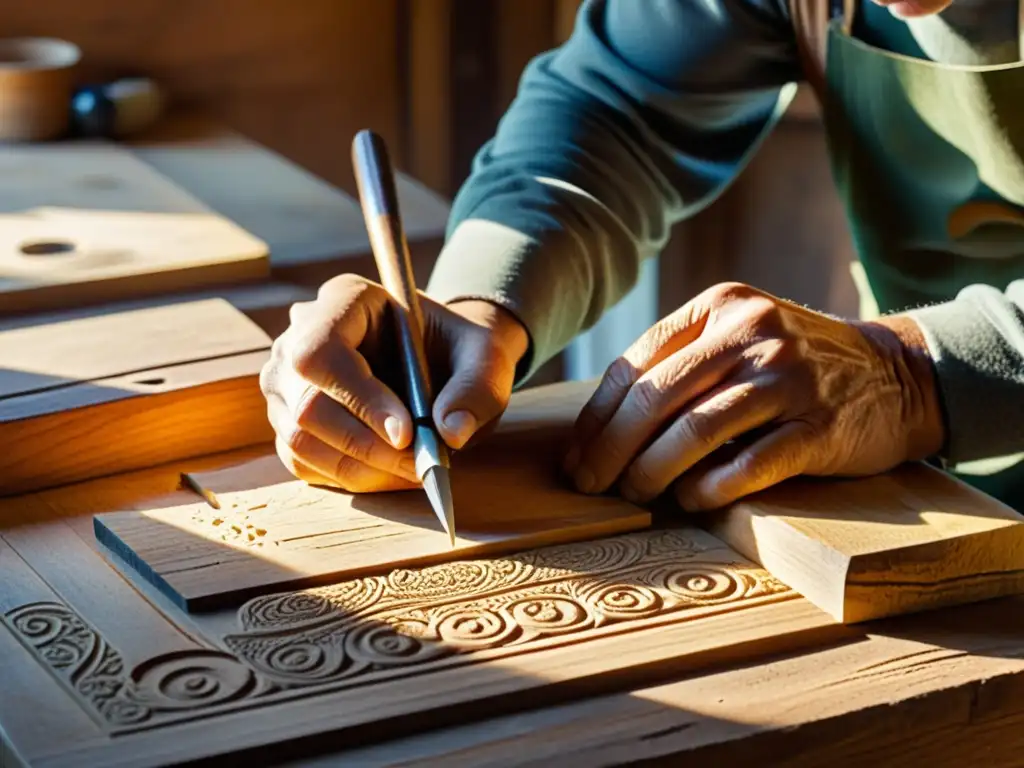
439,490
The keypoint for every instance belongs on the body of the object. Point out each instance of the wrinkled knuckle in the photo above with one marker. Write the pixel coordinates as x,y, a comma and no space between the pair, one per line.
639,476
357,446
647,396
695,431
307,359
765,314
306,409
493,393
726,292
621,374
349,475
296,440
348,284
750,468
268,377
690,496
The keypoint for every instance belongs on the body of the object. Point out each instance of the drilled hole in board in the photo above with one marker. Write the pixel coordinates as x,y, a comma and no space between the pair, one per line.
152,382
47,248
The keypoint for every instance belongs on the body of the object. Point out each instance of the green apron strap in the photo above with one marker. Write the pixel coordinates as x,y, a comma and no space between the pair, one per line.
811,20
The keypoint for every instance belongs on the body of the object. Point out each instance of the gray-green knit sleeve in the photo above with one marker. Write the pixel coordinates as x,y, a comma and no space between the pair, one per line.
641,119
977,342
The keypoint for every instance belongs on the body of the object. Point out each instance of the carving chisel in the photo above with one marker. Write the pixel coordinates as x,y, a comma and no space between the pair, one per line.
378,198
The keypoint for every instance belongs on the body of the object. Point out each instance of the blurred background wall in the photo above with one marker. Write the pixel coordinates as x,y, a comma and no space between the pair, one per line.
433,77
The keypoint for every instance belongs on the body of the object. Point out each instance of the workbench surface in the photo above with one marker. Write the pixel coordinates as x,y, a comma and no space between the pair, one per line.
943,687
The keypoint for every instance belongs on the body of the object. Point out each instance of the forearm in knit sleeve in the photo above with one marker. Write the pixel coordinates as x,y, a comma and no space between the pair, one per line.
977,343
643,117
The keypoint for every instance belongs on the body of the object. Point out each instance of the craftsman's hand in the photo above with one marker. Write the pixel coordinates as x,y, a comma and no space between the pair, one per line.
332,379
739,390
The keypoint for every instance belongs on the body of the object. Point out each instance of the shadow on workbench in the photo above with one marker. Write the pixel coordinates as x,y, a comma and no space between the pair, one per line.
358,661
369,663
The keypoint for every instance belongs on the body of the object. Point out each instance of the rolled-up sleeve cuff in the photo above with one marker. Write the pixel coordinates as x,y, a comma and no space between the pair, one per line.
977,344
493,262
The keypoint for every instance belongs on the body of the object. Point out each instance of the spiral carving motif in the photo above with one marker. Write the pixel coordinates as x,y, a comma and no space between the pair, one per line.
191,679
473,628
704,584
550,615
392,645
624,602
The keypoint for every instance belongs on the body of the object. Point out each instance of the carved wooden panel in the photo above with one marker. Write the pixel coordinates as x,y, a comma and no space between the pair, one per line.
488,630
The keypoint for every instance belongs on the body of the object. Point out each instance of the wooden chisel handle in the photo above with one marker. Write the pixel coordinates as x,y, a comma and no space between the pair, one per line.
378,198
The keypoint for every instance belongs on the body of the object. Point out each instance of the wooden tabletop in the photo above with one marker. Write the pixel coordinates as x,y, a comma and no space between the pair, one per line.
941,688
313,230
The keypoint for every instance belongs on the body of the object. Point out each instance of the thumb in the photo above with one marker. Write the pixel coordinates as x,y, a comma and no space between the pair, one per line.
477,392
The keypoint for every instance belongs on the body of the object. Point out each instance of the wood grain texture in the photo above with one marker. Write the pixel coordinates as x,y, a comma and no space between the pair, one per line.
103,394
83,223
399,652
314,230
272,531
266,304
912,539
939,689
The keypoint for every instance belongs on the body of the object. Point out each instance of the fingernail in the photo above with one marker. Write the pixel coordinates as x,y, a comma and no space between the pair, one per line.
394,429
461,425
572,460
585,480
630,494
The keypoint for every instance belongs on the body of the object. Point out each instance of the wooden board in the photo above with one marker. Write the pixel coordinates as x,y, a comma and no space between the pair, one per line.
941,689
913,539
273,531
369,658
98,395
314,230
266,304
87,222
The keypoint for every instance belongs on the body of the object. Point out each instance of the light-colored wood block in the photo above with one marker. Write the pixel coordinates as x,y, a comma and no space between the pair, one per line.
909,540
272,531
86,222
100,395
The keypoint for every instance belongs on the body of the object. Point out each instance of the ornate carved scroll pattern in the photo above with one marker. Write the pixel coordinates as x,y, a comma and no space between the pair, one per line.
407,622
163,688
413,620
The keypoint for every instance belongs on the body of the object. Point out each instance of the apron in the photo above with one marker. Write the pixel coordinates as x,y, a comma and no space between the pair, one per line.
928,159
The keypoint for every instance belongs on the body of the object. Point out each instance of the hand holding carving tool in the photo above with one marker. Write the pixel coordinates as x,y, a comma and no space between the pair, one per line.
379,200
